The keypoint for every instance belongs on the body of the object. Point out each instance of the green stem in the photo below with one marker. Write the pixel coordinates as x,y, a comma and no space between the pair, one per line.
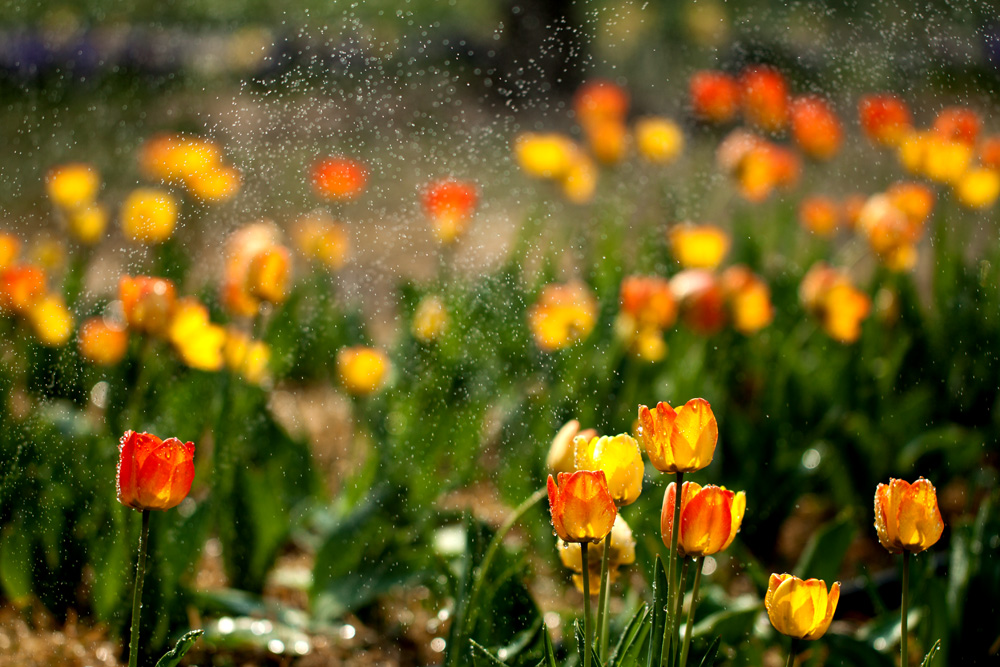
602,600
140,574
791,653
671,584
690,620
678,607
586,605
903,634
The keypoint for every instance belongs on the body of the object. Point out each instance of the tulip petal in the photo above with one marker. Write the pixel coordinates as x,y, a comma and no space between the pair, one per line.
919,519
706,521
698,433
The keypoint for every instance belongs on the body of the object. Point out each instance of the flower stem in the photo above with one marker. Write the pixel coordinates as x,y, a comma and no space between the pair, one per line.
694,600
140,574
791,653
903,634
678,607
672,585
602,601
586,605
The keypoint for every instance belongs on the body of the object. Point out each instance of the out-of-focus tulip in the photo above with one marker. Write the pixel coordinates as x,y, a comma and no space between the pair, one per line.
269,273
815,127
242,248
710,518
50,320
764,98
978,188
840,307
959,124
885,119
362,370
681,440
581,506
765,167
715,96
148,215
608,140
907,517
197,341
915,200
154,474
148,303
890,232
21,286
10,247
702,300
87,224
851,207
72,186
562,315
545,155
339,178
430,319
621,461
579,182
102,342
945,160
214,185
449,203
649,301
800,609
600,101
698,246
659,140
749,299
250,358
989,152
562,451
172,158
622,553
319,237
819,214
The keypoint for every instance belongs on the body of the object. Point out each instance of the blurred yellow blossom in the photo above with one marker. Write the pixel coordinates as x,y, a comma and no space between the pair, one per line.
562,315
87,224
698,246
362,370
658,140
430,319
72,186
148,215
50,320
978,188
197,341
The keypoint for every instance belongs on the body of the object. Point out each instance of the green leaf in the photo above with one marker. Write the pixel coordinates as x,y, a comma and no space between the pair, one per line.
711,653
658,618
173,657
826,549
734,623
628,637
550,654
930,654
847,650
481,651
15,564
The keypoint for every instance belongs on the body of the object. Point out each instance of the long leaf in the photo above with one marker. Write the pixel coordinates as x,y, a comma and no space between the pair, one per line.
659,615
930,654
628,637
550,653
711,653
481,651
173,657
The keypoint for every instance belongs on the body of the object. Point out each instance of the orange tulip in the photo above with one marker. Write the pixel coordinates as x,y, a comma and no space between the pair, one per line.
816,128
710,518
749,299
102,342
620,460
649,301
884,118
958,124
801,609
318,236
21,286
10,246
148,302
339,178
715,96
989,152
764,97
148,215
681,440
599,101
702,300
562,315
581,506
153,474
449,204
907,517
256,267
820,215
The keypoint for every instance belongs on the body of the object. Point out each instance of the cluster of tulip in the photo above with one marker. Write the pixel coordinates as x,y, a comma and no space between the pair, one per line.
597,476
24,293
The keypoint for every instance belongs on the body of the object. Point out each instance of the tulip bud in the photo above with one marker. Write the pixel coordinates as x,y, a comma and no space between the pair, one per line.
800,609
153,474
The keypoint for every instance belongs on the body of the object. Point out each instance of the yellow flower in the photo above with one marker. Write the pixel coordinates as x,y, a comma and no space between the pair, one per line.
214,185
907,517
148,215
945,161
620,460
545,155
562,315
801,609
580,181
269,273
562,451
50,320
698,246
749,299
249,358
72,186
197,341
430,320
87,224
978,188
659,140
317,236
622,553
681,440
362,369
10,246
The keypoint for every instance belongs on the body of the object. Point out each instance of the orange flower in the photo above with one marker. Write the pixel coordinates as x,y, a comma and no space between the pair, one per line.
715,96
21,285
648,301
339,178
562,451
102,342
958,124
581,506
989,152
907,517
885,119
620,460
72,186
816,128
153,474
562,315
172,158
820,215
710,518
681,440
318,236
659,140
764,98
599,101
269,273
702,300
890,231
362,369
608,140
10,246
242,248
749,299
765,166
801,609
449,203
148,303
698,246
829,295
148,215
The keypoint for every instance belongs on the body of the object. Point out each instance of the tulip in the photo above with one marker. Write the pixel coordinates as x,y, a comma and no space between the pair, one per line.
102,342
317,236
339,178
816,128
907,517
681,440
449,204
579,182
958,124
698,246
649,301
148,302
659,140
153,474
800,609
620,460
249,358
72,186
173,158
215,185
87,224
430,320
51,320
600,100
197,341
581,505
715,96
545,155
21,286
562,451
820,215
764,97
362,370
978,188
10,246
562,315
256,267
148,215
268,274
749,299
710,517
885,118
701,299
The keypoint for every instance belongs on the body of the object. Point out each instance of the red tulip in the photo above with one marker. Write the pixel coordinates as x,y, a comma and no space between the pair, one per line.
153,474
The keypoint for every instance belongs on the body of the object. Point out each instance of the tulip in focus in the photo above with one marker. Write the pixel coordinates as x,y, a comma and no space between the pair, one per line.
102,342
148,303
907,517
620,460
562,315
698,246
681,440
148,215
764,98
339,178
885,119
800,609
659,140
153,474
562,451
715,96
50,320
362,370
710,518
581,506
816,128
449,203
622,553
72,186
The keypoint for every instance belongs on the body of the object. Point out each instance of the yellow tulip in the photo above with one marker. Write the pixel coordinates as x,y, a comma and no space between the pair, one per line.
801,609
907,517
681,440
620,460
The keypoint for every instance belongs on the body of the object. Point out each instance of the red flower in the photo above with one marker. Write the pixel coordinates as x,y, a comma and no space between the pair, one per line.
339,178
715,97
153,474
764,95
